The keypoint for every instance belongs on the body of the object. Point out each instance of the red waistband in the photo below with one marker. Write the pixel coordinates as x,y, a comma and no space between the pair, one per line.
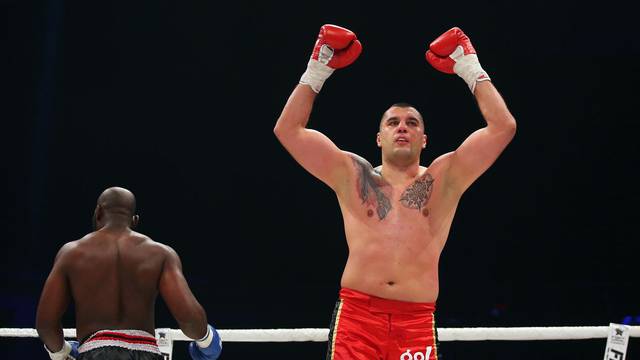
129,336
378,304
127,339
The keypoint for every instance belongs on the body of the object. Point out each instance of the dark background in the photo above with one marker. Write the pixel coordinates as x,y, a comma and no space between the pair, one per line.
176,101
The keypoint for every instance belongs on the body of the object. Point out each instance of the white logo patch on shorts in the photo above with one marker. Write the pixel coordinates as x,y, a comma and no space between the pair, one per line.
407,355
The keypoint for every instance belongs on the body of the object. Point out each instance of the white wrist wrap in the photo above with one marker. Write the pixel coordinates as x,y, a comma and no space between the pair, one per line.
206,340
316,74
61,354
468,68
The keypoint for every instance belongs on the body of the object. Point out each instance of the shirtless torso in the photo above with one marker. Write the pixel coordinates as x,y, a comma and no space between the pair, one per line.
395,232
113,278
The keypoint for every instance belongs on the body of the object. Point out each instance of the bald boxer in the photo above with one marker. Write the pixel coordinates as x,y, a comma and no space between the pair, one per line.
397,215
113,276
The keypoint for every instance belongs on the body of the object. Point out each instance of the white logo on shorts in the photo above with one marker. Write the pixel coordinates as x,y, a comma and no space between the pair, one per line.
418,355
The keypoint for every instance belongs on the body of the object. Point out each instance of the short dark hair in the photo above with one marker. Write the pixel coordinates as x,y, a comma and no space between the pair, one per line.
402,105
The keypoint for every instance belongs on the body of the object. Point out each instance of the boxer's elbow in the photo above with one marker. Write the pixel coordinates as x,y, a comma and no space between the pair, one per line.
509,127
280,130
44,322
505,127
289,125
285,133
277,130
46,328
511,124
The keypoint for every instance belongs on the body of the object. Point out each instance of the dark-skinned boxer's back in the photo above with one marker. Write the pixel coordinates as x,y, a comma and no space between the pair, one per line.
114,281
114,276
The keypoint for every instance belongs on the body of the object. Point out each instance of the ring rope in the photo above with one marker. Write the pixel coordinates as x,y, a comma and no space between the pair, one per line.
444,334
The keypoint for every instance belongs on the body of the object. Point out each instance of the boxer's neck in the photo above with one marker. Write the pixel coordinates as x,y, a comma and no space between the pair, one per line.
116,222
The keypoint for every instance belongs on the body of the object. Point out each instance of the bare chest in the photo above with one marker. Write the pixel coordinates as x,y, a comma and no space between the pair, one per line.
372,198
395,224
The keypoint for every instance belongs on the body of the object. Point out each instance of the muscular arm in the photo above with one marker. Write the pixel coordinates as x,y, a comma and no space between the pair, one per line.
176,293
53,303
311,149
482,148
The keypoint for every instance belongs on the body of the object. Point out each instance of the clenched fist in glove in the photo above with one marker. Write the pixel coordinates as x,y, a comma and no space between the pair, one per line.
335,48
452,53
69,351
207,348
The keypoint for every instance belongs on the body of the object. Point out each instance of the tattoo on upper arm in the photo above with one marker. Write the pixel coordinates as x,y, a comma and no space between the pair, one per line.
417,194
370,188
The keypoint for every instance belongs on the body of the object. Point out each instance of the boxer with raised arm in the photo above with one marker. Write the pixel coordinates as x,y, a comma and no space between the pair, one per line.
397,215
113,275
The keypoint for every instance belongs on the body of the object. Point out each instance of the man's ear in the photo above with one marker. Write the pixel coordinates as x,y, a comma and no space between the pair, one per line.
97,217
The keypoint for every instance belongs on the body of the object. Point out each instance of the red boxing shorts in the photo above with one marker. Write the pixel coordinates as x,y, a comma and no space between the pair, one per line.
371,328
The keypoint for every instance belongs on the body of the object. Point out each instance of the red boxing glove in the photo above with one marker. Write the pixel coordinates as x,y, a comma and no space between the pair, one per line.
335,48
452,53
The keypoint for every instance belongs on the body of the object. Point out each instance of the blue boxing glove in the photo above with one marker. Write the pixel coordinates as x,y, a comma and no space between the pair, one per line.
74,349
69,351
207,348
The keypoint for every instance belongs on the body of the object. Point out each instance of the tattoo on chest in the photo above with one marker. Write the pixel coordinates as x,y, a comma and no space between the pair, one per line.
370,185
417,194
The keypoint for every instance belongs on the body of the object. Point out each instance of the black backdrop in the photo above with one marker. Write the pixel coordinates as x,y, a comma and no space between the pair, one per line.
177,101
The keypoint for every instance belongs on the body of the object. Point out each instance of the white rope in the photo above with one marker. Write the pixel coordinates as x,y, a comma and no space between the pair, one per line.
444,334
264,335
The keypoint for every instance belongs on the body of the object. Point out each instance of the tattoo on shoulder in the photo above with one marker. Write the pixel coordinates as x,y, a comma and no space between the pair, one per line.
417,194
370,185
